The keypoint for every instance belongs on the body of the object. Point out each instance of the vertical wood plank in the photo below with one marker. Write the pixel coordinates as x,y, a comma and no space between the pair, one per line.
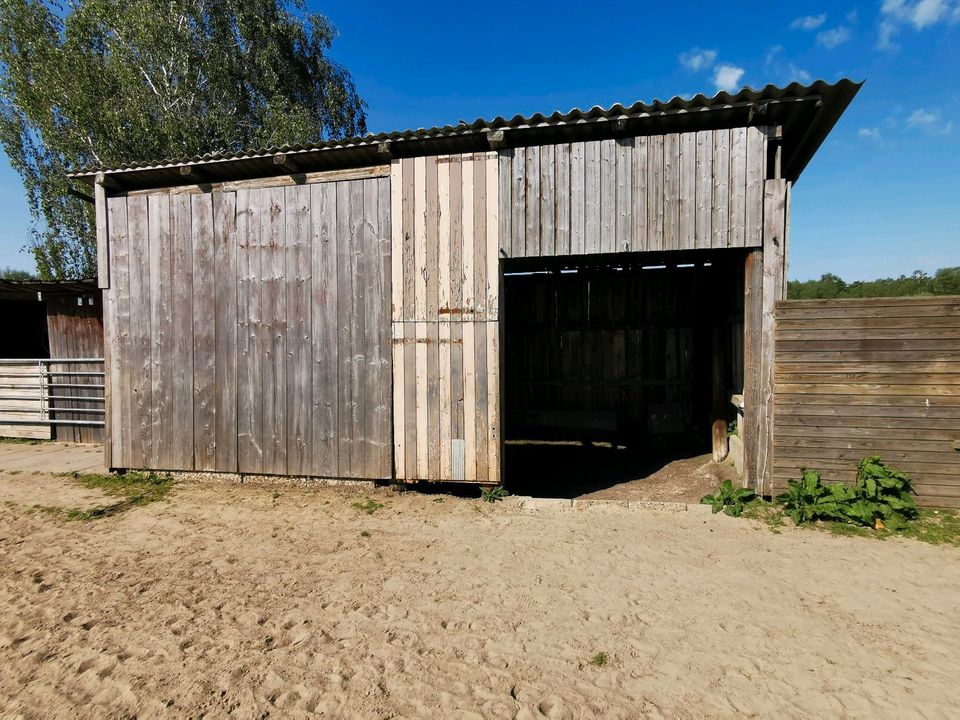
445,416
703,236
465,271
275,334
719,221
422,403
420,237
360,346
396,240
479,279
481,405
687,224
161,346
457,431
345,242
456,237
493,238
505,207
250,207
639,187
410,399
409,260
737,187
443,238
141,451
299,328
118,336
624,195
608,196
469,402
431,381
518,168
103,238
381,366
493,403
591,197
548,200
324,323
225,350
754,193
655,190
532,195
562,191
204,334
752,347
577,194
431,261
181,316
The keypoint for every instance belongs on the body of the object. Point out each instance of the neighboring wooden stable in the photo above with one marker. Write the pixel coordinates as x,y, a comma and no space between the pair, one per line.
870,376
46,321
368,308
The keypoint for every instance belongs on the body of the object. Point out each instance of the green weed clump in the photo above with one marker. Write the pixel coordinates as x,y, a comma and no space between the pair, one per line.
729,499
368,506
495,494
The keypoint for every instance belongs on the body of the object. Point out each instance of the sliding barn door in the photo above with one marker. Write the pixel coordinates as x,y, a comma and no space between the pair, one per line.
446,338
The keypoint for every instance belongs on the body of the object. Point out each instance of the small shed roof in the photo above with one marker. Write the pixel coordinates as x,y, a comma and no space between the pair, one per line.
806,113
29,289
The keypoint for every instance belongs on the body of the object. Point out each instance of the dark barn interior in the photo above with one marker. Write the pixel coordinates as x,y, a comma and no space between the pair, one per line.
616,366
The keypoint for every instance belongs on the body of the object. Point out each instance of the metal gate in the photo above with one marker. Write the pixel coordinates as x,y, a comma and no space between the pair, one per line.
42,393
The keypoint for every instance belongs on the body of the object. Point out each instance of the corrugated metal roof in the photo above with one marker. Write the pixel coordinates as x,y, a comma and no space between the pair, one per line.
807,113
29,289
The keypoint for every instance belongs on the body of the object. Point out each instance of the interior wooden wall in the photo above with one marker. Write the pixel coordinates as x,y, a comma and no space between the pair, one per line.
247,329
446,334
872,376
660,192
630,346
75,330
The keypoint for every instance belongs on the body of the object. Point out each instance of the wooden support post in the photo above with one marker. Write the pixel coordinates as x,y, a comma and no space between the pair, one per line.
719,414
773,289
103,249
752,316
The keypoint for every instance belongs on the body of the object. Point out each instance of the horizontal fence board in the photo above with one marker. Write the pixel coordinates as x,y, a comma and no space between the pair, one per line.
869,377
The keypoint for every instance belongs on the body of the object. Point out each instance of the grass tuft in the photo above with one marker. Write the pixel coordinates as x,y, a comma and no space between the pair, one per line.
133,489
600,659
368,506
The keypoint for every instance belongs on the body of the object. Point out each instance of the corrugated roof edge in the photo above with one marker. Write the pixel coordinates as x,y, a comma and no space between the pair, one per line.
836,97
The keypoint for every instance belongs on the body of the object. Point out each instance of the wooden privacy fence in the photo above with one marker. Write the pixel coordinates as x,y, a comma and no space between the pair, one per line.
869,376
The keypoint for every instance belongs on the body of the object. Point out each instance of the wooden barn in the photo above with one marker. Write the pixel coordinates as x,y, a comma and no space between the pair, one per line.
51,360
396,306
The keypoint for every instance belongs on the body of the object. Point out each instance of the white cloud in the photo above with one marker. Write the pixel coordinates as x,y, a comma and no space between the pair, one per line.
696,59
869,133
808,22
795,74
929,121
920,15
727,77
833,37
853,16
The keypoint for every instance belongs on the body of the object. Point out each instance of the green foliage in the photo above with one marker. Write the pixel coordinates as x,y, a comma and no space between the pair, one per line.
492,495
808,499
9,273
945,281
729,499
108,82
881,498
368,506
600,659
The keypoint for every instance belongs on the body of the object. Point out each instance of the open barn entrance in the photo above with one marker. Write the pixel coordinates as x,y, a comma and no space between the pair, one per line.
617,370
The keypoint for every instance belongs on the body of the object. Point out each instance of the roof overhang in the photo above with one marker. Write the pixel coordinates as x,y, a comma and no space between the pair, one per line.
806,114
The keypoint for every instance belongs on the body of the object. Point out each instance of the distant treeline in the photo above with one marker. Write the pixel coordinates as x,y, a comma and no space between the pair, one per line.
945,281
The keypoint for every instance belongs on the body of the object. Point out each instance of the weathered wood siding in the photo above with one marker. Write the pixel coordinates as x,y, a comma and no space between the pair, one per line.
647,193
446,337
248,329
874,376
75,330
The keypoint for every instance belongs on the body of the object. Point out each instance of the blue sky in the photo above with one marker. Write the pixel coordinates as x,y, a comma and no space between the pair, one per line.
881,198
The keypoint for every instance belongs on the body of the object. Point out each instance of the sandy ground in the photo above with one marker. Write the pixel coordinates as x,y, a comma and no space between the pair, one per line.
226,601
